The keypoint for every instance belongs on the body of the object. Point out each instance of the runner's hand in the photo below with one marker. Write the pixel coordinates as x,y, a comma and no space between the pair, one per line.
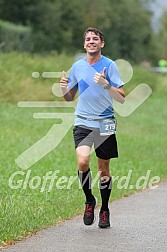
63,81
100,78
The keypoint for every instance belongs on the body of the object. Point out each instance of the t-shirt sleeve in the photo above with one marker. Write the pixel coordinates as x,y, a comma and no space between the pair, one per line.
114,77
72,81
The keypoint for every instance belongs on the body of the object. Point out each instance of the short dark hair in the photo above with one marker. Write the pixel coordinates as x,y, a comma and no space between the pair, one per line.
95,31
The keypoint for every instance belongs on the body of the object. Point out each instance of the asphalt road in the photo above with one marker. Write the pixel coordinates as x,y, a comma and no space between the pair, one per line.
138,224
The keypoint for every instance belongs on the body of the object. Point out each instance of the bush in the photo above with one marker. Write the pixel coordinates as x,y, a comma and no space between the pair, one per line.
15,37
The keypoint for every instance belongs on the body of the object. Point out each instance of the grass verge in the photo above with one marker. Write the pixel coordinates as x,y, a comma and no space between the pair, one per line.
26,207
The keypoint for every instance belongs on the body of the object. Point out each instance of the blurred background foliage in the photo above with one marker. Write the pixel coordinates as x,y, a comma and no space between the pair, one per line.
44,26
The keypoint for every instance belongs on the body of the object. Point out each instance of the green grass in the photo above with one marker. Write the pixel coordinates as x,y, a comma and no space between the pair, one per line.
141,138
16,82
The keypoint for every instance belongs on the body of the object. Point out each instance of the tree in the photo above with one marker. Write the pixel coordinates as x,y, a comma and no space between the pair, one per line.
130,31
162,36
15,11
59,25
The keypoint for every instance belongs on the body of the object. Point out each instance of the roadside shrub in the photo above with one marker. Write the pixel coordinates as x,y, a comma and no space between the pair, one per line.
15,37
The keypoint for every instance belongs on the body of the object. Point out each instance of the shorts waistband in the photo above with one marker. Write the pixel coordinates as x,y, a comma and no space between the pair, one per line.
91,119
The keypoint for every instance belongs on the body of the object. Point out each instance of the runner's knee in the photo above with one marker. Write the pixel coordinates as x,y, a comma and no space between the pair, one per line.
83,164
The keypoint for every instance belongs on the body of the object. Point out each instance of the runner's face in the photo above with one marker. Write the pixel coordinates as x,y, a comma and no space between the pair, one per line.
93,43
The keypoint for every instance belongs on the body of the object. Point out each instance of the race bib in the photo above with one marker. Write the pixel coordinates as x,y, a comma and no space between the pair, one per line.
107,127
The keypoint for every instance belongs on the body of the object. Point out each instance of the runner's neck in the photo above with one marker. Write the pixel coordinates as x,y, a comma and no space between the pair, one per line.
92,59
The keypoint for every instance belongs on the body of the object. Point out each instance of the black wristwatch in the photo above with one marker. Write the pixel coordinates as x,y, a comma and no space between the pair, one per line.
108,86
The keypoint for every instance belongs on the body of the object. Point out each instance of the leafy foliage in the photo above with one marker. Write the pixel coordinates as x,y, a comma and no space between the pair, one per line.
14,37
59,25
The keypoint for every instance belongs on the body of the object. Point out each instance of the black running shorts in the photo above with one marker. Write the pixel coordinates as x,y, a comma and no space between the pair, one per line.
105,146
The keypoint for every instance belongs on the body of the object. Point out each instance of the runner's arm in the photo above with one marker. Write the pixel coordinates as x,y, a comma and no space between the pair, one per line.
68,94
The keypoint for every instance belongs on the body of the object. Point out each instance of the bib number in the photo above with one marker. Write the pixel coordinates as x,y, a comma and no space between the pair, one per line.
107,127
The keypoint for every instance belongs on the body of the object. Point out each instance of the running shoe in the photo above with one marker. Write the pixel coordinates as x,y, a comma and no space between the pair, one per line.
104,219
89,216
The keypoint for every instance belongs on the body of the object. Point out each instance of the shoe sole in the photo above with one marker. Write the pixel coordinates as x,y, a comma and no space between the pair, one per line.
104,227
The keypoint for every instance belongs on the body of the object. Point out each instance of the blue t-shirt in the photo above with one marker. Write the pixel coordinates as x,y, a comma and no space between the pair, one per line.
94,101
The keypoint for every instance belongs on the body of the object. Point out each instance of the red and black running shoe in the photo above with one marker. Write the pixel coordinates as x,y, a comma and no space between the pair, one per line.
89,216
104,219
